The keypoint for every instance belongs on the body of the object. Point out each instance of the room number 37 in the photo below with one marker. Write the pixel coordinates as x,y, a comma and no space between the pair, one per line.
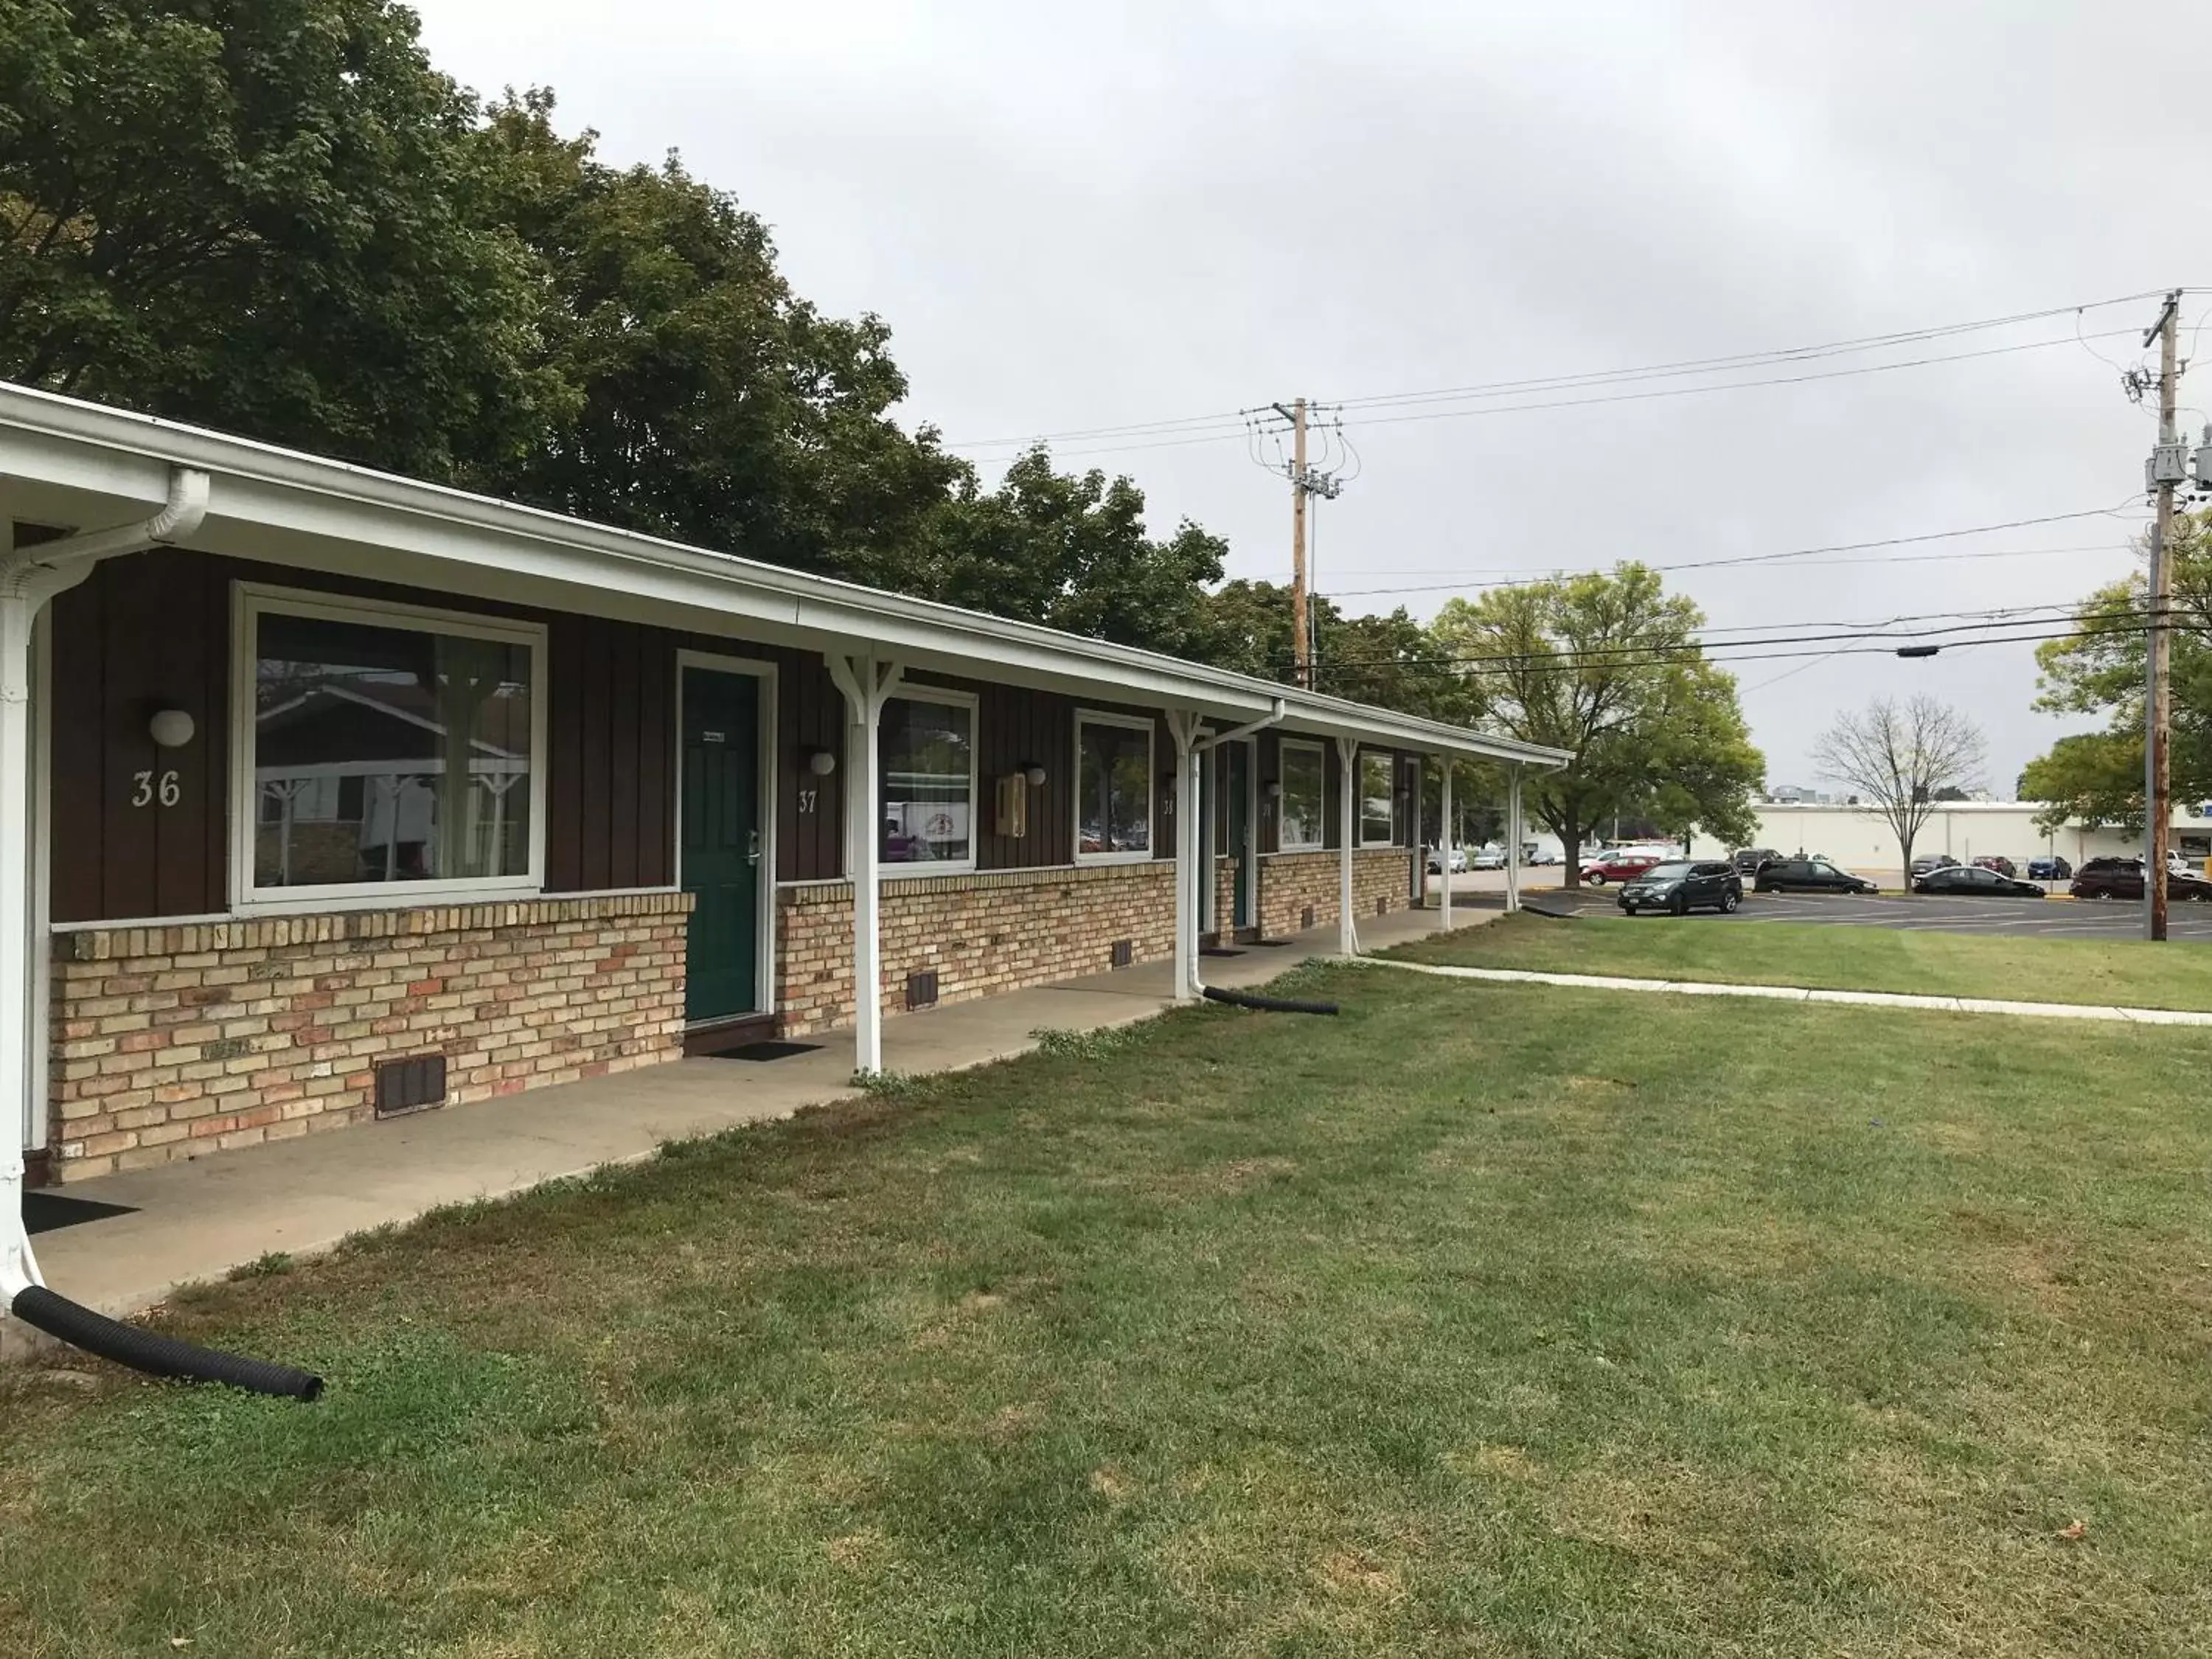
150,788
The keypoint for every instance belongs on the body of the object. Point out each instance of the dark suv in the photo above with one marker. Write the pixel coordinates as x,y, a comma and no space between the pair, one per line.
2123,879
1682,887
1808,876
1747,861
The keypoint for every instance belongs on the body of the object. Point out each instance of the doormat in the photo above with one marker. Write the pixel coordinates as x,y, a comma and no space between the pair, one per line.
45,1213
1272,944
766,1050
1220,951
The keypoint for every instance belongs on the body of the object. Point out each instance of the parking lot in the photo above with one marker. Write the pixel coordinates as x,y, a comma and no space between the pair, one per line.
2066,919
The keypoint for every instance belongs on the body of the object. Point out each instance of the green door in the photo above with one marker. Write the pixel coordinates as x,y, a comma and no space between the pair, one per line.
1239,837
720,841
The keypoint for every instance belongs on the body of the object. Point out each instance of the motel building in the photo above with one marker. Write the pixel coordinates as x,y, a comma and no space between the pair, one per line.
335,795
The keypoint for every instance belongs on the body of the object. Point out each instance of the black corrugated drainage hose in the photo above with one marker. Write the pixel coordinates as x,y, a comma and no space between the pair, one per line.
153,1353
1271,1005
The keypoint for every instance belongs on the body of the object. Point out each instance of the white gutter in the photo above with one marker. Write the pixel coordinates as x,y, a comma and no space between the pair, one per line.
29,576
1273,717
80,447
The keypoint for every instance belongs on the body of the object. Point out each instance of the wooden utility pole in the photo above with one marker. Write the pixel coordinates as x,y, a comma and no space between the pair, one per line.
2158,698
1301,627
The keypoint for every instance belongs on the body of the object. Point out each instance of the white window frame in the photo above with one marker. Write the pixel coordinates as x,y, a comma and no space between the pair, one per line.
915,691
1388,762
249,602
1128,723
1319,750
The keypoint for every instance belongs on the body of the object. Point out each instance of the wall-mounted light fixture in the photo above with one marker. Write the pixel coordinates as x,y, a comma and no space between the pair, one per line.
1035,773
822,763
172,728
1272,789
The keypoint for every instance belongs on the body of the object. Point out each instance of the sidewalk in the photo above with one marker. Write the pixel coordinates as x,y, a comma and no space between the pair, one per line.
1801,993
197,1220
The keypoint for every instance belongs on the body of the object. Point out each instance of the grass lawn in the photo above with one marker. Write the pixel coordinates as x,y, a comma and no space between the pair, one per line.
1486,1320
2129,972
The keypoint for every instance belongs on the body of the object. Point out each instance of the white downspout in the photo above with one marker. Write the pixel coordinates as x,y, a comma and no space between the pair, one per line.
1444,835
868,685
1347,757
29,576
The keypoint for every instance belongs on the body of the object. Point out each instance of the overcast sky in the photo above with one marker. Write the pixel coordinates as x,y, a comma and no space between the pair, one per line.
1077,217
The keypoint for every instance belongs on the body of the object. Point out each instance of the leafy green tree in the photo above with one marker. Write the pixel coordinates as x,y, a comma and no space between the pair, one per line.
264,214
1388,660
2097,777
1070,550
706,400
1607,667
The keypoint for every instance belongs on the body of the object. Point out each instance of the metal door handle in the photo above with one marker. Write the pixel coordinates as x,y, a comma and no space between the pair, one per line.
752,847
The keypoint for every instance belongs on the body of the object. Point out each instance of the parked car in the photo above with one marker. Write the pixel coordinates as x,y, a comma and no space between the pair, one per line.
1928,861
1618,866
1683,886
1808,876
2053,868
1998,862
1748,859
1977,882
1534,855
2123,879
1458,860
1490,858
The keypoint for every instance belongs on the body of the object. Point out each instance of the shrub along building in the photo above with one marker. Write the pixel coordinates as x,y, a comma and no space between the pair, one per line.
341,794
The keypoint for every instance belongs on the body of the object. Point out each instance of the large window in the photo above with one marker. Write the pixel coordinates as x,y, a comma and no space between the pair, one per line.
1298,829
386,747
1113,787
1376,823
927,783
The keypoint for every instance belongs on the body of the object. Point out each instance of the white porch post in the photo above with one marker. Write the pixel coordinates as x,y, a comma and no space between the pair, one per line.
1190,867
867,684
1444,836
1513,838
20,1042
1347,763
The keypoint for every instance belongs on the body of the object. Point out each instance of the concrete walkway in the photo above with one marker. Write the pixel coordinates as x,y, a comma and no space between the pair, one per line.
196,1220
1803,993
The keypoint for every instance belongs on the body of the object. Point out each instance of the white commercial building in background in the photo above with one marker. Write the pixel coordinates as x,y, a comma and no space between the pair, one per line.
1860,837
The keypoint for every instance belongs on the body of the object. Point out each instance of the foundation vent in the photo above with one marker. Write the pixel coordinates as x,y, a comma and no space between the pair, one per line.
922,989
410,1085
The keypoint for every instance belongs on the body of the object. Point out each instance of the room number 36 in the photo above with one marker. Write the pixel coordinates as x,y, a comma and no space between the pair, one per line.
149,787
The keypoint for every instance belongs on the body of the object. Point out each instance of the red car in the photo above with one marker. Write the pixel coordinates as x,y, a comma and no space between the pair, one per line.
1618,866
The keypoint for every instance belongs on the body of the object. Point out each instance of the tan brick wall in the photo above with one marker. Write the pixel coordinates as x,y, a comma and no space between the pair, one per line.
997,930
1224,897
1291,881
172,1041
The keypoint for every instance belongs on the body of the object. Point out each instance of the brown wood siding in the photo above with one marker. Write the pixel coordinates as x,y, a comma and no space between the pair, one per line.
153,631
142,634
1019,728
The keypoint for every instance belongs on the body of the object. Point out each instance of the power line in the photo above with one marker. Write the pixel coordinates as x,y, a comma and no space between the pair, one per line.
1227,422
1641,653
1737,561
1539,666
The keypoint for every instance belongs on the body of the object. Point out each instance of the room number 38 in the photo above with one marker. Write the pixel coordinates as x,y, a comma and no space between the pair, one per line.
150,787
